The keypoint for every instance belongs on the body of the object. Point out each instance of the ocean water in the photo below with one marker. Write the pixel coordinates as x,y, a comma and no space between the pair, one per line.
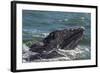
38,24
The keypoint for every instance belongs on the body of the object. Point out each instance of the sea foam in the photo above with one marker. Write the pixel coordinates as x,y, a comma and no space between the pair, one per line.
79,53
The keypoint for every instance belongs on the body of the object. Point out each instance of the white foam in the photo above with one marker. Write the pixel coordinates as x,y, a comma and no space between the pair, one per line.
78,53
75,53
25,48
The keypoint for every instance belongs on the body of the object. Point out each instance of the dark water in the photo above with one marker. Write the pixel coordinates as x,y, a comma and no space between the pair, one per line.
38,24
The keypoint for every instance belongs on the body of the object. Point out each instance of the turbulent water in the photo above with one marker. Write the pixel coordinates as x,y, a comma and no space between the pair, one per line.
38,24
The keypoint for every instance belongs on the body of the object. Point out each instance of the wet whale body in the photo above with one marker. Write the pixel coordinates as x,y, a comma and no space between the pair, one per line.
66,39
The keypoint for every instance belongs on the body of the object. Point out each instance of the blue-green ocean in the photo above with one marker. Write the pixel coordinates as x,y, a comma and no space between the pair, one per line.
38,24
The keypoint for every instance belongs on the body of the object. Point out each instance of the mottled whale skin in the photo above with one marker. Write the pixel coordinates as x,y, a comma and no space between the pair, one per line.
63,39
66,39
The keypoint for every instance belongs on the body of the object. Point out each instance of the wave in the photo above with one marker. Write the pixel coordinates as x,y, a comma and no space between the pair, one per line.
31,30
35,33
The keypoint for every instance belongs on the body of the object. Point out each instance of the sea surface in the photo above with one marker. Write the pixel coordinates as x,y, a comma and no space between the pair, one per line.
38,24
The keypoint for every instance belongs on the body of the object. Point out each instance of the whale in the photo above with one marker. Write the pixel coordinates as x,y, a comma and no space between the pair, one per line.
65,39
